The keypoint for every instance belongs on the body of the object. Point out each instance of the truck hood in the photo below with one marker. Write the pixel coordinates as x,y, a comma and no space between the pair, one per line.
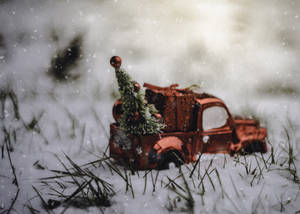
249,130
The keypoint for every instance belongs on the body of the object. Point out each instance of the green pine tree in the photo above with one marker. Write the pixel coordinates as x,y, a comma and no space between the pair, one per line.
137,115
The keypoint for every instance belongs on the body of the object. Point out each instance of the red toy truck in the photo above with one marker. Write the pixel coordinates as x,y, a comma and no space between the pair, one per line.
195,123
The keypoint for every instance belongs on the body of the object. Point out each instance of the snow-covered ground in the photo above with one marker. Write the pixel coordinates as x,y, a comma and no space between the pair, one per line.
245,52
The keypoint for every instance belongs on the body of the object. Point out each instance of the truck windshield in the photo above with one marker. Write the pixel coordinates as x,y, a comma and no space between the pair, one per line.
214,117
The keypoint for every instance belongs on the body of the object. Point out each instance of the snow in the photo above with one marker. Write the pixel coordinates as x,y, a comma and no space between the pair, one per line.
246,53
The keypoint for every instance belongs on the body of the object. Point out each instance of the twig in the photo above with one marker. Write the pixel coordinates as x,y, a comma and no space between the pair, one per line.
15,181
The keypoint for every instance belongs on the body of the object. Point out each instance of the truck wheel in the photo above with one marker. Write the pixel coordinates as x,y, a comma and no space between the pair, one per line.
255,146
170,159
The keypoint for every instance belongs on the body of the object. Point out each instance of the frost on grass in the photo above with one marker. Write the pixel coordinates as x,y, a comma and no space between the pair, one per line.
76,186
214,183
86,180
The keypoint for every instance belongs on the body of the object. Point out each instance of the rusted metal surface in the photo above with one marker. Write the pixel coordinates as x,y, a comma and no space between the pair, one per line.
185,134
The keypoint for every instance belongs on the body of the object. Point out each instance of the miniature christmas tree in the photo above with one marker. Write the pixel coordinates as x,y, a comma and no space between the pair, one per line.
138,117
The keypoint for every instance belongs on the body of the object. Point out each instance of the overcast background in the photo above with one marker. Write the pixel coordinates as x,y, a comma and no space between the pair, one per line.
246,45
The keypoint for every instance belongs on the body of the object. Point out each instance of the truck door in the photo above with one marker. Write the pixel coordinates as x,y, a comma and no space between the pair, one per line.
216,131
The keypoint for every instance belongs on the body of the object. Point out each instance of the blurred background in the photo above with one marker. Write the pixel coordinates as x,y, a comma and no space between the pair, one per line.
231,46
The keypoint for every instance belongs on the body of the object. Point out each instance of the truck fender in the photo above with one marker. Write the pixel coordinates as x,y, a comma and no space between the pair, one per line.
163,146
249,146
168,143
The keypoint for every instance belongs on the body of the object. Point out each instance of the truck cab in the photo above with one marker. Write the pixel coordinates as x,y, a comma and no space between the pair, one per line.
216,126
195,123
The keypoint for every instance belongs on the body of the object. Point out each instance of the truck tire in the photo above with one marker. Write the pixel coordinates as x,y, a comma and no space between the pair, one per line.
170,158
255,146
